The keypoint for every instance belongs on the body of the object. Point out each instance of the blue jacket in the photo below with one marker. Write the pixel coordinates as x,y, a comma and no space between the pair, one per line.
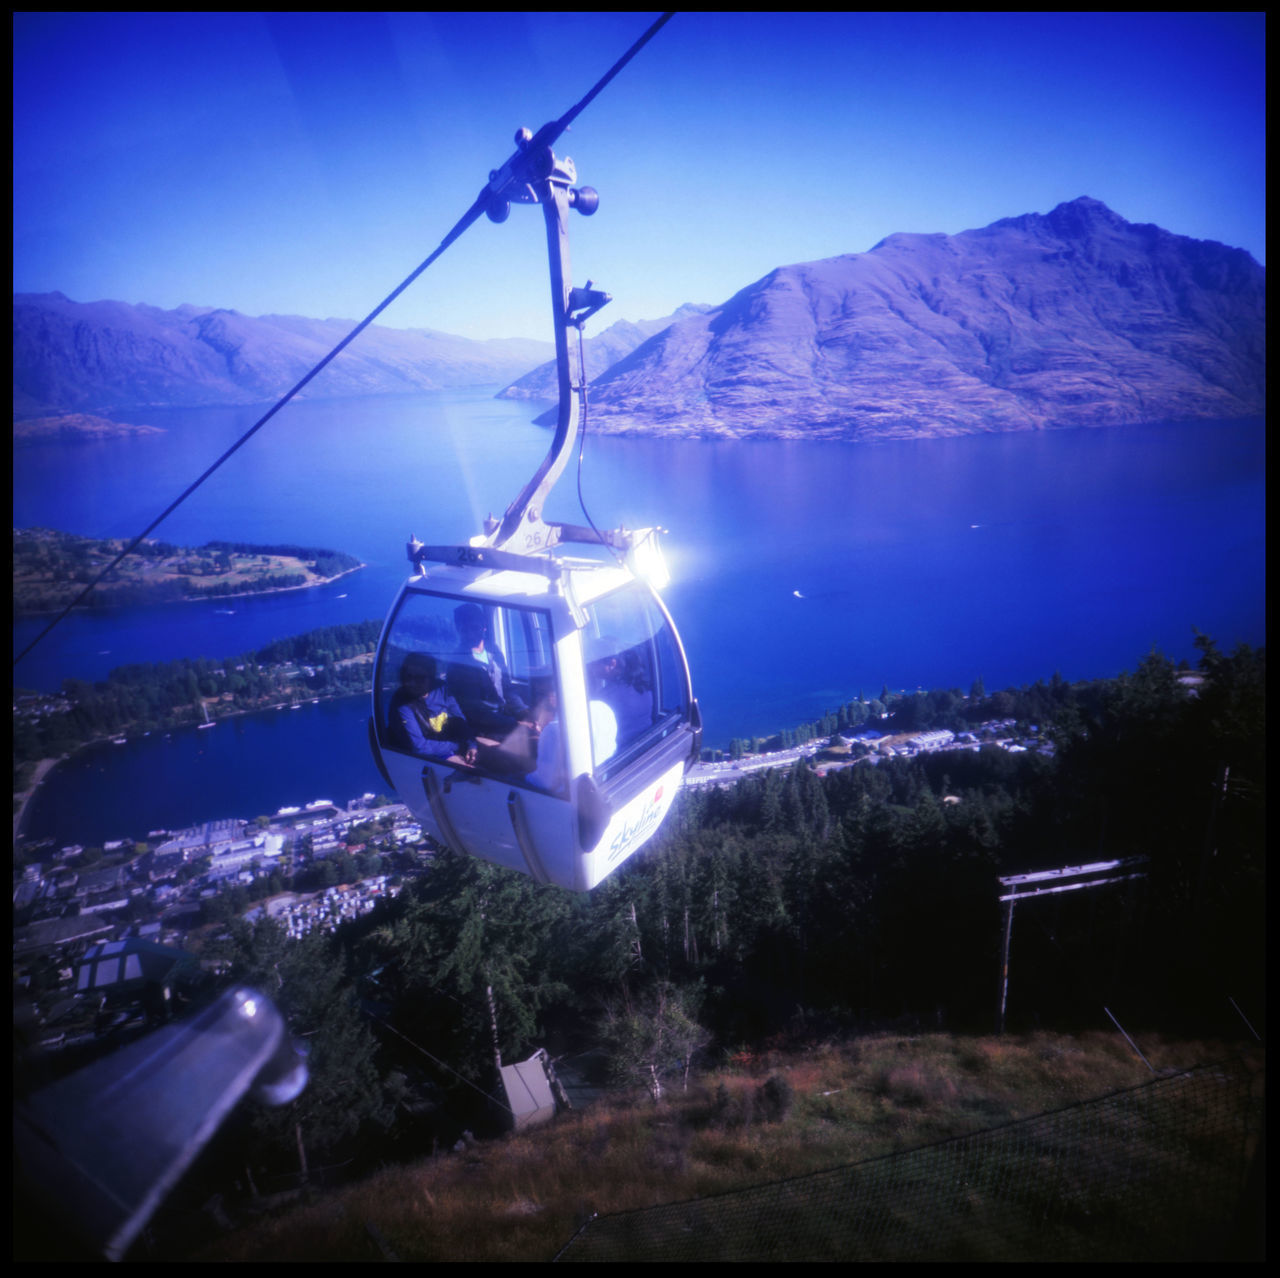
432,726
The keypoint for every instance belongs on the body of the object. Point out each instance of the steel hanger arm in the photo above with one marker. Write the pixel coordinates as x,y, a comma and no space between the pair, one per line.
522,528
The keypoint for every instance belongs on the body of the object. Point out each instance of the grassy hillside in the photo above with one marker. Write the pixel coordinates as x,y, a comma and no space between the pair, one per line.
522,1197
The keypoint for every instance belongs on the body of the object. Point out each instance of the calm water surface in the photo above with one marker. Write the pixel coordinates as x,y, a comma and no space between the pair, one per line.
803,574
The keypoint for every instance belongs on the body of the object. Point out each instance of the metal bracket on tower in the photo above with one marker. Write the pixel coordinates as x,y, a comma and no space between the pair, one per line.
536,175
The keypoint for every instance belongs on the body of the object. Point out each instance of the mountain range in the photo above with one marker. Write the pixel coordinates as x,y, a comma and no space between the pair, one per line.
599,353
1072,318
114,357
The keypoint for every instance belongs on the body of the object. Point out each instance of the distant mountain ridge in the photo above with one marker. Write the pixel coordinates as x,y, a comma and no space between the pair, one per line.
1074,318
599,353
103,356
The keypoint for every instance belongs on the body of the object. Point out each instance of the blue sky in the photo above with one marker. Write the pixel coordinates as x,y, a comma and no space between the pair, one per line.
306,163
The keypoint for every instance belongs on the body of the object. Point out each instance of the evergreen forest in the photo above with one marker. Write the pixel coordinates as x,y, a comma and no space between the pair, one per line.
150,696
792,908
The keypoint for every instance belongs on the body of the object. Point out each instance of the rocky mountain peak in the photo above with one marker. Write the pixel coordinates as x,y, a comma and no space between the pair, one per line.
1072,318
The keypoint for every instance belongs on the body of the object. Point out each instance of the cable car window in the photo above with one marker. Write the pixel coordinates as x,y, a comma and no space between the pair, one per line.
637,686
465,683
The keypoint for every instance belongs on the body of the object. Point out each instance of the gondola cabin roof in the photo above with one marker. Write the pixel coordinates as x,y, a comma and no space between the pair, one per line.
547,576
589,576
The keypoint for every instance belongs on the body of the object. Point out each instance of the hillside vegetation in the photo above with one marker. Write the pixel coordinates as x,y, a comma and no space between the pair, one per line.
840,934
763,1116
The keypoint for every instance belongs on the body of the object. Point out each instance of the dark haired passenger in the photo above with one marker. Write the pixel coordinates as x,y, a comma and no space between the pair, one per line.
620,681
550,774
424,719
479,679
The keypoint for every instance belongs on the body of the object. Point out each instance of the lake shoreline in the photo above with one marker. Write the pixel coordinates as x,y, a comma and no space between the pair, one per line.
23,799
190,599
801,577
45,767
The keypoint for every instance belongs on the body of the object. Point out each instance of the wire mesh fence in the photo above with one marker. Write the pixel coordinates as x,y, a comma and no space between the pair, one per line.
1157,1172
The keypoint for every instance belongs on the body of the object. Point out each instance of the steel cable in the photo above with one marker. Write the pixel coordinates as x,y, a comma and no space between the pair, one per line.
546,136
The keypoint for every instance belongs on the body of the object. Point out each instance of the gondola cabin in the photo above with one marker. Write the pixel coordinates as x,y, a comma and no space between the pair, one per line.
531,702
534,711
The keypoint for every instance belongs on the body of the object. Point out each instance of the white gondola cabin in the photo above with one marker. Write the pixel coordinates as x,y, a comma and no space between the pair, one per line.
532,704
574,690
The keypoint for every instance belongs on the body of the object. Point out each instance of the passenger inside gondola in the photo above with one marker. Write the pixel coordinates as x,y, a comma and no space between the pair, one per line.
551,774
620,681
424,719
479,679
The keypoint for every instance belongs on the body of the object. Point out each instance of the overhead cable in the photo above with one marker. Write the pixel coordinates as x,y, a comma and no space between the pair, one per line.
546,136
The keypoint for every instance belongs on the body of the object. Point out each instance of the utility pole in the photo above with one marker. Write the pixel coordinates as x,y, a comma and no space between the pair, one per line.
1069,878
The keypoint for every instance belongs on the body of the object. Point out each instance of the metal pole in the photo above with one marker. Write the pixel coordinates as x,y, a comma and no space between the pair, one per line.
1004,966
1244,1018
1130,1041
1101,874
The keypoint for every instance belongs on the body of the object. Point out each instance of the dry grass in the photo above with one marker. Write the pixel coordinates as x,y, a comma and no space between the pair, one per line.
521,1198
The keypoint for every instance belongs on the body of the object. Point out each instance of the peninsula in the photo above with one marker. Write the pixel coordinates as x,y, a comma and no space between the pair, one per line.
76,428
50,568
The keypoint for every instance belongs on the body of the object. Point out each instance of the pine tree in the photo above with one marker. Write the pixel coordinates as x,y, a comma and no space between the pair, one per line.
471,954
306,980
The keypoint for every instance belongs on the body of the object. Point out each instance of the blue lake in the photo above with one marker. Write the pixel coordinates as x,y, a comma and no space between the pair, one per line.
803,574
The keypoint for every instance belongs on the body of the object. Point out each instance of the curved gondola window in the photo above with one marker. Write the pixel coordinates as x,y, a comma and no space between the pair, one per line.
637,681
453,672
